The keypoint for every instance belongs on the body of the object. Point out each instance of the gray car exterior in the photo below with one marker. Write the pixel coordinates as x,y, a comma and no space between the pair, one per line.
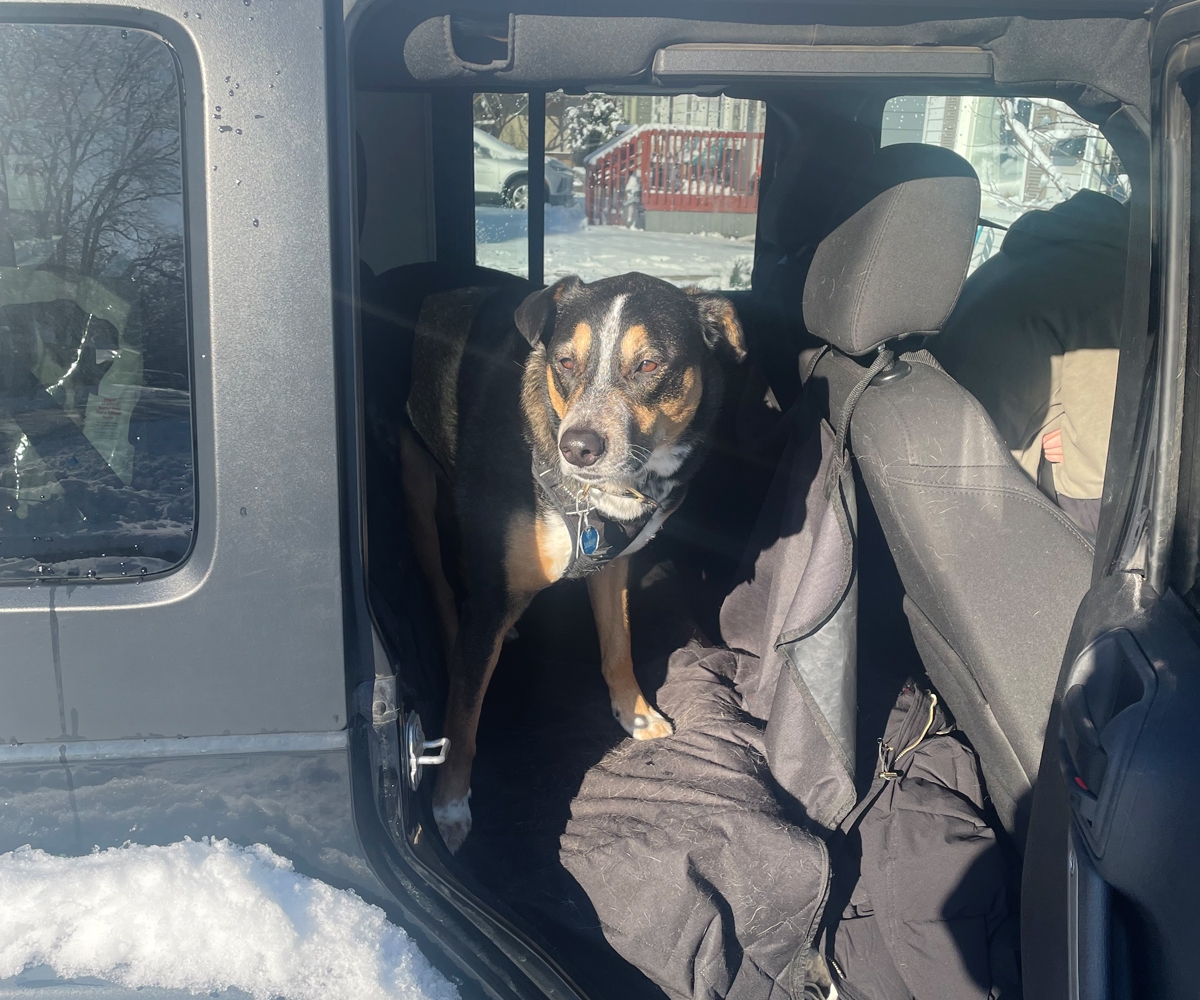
502,175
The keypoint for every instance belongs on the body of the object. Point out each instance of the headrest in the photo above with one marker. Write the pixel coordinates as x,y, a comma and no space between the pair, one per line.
896,265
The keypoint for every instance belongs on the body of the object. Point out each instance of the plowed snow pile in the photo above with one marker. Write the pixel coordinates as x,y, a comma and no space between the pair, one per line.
202,916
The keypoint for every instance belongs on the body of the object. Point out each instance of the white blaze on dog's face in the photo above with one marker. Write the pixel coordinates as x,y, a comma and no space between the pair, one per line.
626,361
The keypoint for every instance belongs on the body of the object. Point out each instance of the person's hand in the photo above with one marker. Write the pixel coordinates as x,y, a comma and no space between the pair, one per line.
1052,447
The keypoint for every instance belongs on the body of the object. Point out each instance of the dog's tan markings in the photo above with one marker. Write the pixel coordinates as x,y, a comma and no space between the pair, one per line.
581,346
556,400
533,402
678,411
536,553
609,592
671,415
645,416
634,343
581,342
733,330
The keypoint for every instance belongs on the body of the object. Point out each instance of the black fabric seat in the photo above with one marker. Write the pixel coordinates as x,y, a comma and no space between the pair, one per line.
993,572
391,304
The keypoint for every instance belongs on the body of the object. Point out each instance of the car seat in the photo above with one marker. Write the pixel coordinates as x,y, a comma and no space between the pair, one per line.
992,571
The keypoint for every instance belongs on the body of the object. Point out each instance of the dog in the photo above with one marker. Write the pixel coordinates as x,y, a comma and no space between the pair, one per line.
569,421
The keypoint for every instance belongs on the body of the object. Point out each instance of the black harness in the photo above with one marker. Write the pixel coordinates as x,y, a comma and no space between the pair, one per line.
596,539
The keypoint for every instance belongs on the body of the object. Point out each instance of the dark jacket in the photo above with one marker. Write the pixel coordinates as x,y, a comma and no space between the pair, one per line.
1036,333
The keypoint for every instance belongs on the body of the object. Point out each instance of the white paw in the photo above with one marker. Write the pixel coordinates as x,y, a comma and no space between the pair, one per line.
454,822
651,726
646,724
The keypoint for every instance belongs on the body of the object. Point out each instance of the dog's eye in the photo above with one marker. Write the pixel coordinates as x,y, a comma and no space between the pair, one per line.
567,363
648,366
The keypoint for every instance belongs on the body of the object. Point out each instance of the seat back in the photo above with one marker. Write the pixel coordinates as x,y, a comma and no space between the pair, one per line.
993,572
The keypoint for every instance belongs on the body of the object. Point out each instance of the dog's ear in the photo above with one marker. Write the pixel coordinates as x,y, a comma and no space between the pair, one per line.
535,316
719,323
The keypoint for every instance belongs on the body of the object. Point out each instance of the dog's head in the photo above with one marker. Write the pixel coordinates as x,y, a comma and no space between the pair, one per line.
624,376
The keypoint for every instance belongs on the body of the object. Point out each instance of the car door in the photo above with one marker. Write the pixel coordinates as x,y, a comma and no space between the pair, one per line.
172,656
171,562
1111,874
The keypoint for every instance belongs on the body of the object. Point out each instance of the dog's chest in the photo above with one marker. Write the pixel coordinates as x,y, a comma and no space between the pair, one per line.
599,525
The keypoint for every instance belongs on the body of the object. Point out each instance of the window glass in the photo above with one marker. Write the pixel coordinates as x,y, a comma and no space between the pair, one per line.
667,185
96,456
502,182
664,185
1029,153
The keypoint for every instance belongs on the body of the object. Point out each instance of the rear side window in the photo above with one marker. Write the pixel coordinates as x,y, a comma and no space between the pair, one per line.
663,184
96,455
1029,153
501,150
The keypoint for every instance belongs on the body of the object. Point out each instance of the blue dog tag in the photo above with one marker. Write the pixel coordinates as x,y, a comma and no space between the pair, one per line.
588,540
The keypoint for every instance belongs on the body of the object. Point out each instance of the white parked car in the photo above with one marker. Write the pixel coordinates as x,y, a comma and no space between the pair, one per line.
502,175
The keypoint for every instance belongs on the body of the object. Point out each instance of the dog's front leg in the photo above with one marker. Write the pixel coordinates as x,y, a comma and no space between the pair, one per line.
476,651
608,590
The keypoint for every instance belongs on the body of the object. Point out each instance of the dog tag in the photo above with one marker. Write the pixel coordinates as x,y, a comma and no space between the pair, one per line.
588,540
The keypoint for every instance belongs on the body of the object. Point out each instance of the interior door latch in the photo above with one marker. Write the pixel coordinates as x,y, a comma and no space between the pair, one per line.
417,745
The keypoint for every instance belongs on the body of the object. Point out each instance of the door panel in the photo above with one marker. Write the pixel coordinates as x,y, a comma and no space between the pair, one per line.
246,635
1108,905
1110,874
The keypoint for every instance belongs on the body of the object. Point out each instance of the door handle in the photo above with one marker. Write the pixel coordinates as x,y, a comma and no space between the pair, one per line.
1082,737
1109,690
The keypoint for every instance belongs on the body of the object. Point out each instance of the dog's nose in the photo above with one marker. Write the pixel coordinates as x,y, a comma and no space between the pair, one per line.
581,446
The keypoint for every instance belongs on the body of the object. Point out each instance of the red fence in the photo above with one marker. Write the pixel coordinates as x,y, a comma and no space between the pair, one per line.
665,169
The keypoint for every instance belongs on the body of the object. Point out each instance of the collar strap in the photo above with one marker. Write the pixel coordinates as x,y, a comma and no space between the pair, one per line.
595,538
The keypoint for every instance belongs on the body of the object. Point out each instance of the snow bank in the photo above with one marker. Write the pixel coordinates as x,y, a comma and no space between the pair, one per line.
202,916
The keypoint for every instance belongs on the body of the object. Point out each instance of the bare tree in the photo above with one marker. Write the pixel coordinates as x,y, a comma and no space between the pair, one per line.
89,144
1056,133
557,104
494,112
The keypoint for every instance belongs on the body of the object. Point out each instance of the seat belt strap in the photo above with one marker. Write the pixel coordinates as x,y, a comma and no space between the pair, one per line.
841,453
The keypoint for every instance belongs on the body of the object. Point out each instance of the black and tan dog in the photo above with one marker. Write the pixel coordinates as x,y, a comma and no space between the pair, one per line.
569,421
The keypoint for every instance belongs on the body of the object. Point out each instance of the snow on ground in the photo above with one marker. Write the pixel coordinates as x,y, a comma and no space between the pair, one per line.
573,247
204,916
592,252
